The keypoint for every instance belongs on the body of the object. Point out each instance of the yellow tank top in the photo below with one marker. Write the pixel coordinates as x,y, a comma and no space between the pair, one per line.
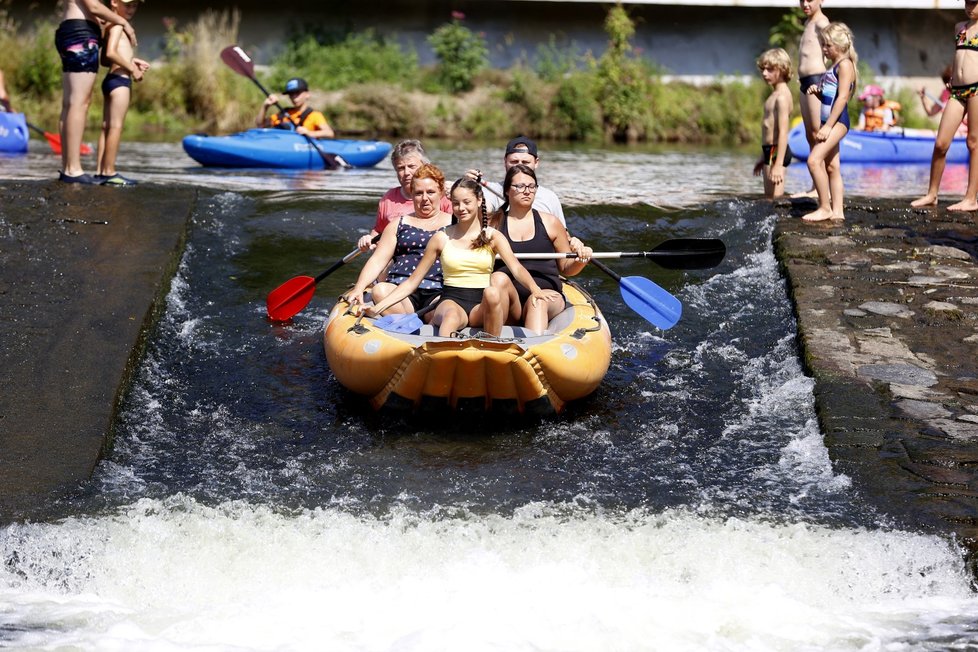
466,268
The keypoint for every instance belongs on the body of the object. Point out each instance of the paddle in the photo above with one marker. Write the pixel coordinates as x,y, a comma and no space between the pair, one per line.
238,61
680,253
54,140
652,302
646,298
285,301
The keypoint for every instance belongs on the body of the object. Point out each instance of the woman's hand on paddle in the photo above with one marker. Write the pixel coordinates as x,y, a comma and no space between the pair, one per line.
583,252
366,242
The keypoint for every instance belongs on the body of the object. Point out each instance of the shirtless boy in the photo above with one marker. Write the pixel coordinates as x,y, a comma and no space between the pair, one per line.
775,67
811,67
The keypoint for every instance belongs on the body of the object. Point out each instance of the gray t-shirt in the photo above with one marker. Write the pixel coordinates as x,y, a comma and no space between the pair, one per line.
545,201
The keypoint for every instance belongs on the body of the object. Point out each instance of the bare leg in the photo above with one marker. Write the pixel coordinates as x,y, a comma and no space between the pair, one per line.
836,187
381,291
950,119
811,107
76,89
970,201
511,298
538,317
116,106
490,313
449,317
816,166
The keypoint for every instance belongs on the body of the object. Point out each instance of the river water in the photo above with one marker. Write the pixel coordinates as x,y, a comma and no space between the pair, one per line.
252,504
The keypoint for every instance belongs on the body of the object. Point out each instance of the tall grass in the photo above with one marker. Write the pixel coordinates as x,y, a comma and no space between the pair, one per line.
370,85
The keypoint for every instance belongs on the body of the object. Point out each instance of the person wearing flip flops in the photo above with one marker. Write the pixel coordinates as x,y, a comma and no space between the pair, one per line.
116,91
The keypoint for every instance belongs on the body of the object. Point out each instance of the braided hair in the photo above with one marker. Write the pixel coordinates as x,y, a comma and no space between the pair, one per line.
483,240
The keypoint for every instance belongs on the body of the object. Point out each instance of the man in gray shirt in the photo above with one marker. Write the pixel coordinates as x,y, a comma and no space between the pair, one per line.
521,150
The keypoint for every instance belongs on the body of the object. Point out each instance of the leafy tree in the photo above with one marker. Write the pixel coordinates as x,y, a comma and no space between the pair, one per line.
461,54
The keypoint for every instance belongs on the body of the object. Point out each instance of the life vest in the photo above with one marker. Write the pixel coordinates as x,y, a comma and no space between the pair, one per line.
290,119
881,117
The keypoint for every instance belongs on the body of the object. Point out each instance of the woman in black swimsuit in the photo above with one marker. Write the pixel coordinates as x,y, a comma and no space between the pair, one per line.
530,231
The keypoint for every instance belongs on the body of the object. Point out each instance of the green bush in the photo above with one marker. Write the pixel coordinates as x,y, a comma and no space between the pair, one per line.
623,88
460,52
576,112
358,58
554,62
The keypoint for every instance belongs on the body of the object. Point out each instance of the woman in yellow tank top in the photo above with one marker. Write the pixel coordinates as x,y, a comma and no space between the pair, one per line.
467,251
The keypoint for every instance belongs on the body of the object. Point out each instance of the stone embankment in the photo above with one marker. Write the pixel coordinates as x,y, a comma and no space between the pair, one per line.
887,309
84,274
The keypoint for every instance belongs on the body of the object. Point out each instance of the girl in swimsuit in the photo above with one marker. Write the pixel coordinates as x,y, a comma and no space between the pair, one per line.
467,253
962,105
531,231
838,84
403,244
77,40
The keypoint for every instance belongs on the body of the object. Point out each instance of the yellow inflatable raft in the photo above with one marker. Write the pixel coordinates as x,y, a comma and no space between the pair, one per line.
516,372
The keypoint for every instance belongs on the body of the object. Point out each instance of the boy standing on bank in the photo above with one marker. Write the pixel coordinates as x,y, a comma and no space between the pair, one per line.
811,67
116,92
775,67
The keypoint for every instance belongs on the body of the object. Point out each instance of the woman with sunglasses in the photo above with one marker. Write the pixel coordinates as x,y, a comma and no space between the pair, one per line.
531,231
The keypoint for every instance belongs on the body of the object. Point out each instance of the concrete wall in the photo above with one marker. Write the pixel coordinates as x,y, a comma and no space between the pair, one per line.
684,40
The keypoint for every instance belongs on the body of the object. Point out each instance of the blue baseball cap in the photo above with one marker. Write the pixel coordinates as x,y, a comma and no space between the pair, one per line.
296,85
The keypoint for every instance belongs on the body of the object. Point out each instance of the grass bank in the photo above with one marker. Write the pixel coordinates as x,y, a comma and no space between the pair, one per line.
369,86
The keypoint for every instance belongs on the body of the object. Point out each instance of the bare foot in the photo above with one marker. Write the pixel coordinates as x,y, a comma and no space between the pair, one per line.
926,200
819,215
964,205
805,195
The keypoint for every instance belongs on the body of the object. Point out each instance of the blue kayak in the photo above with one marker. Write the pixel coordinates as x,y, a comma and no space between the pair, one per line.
13,133
898,145
279,148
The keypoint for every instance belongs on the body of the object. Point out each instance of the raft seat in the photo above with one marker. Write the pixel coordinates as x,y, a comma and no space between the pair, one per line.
509,332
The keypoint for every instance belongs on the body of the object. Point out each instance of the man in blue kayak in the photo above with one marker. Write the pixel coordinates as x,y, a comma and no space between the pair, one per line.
306,120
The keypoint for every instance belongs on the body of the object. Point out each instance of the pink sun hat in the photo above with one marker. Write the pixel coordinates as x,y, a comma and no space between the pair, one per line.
870,89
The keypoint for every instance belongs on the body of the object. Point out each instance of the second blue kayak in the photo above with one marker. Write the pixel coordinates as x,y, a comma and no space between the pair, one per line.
897,145
278,148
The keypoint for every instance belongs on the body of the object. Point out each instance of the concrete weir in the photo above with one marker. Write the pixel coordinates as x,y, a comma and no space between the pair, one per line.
887,310
85,271
886,302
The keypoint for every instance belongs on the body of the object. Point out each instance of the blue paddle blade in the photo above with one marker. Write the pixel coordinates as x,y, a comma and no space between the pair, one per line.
651,301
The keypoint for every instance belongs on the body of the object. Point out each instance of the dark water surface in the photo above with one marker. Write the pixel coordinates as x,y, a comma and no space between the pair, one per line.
251,503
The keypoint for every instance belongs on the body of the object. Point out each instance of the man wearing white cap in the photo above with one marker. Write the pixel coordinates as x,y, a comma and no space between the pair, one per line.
304,118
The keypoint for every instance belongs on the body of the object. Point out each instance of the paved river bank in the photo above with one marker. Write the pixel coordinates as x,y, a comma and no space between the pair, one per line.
84,274
886,307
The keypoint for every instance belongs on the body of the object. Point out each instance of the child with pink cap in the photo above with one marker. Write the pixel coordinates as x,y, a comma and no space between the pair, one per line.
878,114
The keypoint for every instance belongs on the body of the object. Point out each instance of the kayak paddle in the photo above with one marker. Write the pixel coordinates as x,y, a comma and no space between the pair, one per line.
679,253
54,140
652,302
238,61
285,301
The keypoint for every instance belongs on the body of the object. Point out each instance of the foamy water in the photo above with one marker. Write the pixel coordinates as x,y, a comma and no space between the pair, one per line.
162,575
